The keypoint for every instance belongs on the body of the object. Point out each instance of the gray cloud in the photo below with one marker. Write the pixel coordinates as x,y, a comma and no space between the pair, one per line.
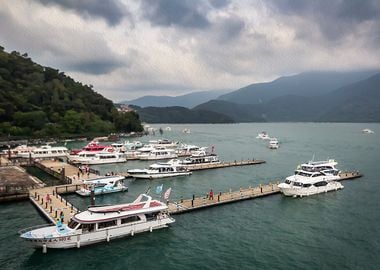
110,10
334,19
64,49
184,13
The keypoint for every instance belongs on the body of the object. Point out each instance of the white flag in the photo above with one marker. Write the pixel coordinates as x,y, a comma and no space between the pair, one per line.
167,193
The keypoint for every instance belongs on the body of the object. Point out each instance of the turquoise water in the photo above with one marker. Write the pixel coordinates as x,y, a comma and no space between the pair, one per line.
337,230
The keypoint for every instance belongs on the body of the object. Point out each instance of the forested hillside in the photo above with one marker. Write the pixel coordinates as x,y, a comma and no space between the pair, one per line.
42,101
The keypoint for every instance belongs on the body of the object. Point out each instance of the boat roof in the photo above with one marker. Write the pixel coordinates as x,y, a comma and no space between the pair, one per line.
330,162
104,179
143,204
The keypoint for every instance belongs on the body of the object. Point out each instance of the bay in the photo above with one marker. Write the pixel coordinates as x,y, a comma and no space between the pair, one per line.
337,230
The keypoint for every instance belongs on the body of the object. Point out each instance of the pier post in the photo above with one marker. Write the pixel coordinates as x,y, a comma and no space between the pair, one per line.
51,209
261,188
192,203
218,197
92,194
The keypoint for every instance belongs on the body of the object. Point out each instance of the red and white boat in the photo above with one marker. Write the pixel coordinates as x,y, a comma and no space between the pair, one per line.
100,224
92,146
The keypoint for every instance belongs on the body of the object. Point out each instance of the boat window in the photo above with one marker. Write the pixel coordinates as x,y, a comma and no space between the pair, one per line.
88,228
106,224
288,182
306,185
72,224
320,184
317,174
297,184
151,216
130,219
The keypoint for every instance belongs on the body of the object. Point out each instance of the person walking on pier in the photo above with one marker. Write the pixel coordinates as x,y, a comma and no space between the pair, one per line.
211,195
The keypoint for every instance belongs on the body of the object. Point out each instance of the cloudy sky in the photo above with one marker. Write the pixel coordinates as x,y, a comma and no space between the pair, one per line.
132,48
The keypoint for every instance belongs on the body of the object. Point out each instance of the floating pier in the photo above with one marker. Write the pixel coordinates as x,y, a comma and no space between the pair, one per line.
66,172
52,205
235,163
198,203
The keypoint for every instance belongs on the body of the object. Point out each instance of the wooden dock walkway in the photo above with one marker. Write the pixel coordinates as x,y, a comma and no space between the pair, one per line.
197,203
235,163
51,204
68,173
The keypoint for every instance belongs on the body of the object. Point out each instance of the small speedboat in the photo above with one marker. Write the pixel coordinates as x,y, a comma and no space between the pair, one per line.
263,135
367,131
273,143
104,185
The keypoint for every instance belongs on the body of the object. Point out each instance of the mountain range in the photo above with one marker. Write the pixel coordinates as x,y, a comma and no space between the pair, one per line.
314,96
187,101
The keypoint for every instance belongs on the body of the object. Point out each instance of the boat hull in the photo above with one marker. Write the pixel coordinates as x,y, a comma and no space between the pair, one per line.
161,175
105,235
86,192
288,190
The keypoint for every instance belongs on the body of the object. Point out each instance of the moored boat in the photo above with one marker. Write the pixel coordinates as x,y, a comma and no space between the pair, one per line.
312,178
159,153
102,223
106,156
160,170
200,158
46,151
104,185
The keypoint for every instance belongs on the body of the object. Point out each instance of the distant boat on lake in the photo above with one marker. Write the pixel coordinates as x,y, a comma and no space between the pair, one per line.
367,131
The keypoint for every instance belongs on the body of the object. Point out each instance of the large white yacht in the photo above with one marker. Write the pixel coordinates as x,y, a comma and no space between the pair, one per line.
102,223
312,178
160,170
46,151
103,185
107,155
159,153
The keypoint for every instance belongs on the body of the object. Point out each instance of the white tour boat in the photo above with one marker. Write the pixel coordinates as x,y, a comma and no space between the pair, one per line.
103,185
163,143
102,223
19,151
200,158
159,153
106,156
273,143
160,170
46,151
312,178
263,135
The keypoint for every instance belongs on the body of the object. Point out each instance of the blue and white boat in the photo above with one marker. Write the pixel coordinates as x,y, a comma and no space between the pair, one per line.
104,185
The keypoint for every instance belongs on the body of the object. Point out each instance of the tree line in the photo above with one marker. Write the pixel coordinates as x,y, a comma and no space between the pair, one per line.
42,101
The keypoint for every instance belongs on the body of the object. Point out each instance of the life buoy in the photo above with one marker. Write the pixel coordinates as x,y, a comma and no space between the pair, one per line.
110,150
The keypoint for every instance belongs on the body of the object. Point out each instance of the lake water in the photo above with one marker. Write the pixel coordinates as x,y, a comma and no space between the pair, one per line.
337,230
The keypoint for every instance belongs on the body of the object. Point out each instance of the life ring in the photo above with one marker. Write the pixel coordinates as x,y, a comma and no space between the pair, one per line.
110,150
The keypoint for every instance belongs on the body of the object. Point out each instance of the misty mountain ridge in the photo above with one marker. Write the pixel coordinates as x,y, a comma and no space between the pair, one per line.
306,84
188,100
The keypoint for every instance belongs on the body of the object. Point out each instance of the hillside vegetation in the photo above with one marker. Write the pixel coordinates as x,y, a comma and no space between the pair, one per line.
42,101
